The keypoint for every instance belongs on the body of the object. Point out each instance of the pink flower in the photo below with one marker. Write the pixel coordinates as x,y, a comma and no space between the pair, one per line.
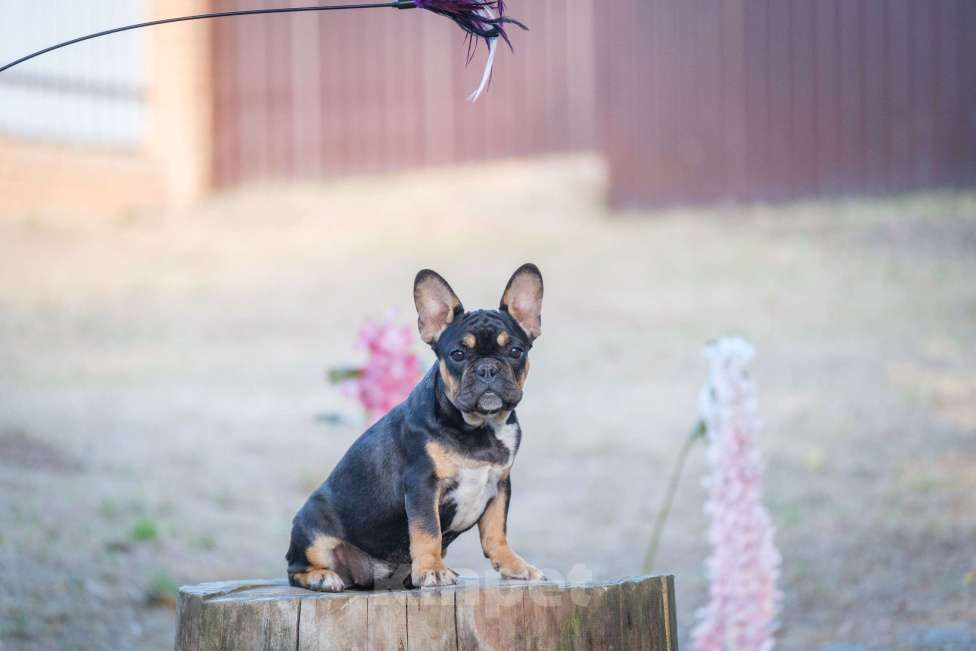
391,371
743,569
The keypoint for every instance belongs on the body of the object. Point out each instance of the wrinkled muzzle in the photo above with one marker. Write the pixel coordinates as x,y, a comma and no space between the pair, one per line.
488,386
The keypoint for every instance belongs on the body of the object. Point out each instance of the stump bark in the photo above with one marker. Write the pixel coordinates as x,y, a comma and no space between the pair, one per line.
634,614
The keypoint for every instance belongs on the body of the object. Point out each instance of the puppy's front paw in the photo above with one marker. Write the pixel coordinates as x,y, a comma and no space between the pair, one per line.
319,580
515,567
432,577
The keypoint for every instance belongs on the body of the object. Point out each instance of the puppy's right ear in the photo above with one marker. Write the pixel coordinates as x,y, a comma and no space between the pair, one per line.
437,305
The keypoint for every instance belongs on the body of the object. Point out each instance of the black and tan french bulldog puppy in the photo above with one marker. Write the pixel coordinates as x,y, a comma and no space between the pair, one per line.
438,463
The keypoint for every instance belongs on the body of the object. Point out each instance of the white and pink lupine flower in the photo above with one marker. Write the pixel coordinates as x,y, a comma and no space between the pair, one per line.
743,569
392,368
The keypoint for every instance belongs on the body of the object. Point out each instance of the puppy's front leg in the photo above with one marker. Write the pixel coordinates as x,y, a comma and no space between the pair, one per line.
493,527
422,497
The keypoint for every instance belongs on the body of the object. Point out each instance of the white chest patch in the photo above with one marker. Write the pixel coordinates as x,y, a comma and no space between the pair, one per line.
475,488
476,485
508,434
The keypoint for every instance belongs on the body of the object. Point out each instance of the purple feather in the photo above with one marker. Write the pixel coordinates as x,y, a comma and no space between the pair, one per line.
480,19
471,17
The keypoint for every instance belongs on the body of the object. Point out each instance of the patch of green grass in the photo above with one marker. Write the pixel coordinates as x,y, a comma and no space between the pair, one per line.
18,626
923,485
162,591
144,530
109,509
786,515
815,460
24,516
921,481
223,500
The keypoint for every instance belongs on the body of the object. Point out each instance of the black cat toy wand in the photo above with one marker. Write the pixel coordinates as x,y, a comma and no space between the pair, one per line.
480,19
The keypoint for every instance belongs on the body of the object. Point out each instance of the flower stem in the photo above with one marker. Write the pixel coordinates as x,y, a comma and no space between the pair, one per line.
697,433
342,374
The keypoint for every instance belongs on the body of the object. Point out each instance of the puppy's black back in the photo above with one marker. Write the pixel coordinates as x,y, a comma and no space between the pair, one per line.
359,502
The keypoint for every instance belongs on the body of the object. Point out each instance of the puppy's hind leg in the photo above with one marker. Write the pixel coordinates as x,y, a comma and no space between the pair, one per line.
314,566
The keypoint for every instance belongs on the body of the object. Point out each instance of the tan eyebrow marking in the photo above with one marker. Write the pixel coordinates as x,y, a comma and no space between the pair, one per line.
469,340
502,338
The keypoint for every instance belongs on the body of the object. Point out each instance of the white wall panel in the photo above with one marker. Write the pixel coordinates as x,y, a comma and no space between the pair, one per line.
89,93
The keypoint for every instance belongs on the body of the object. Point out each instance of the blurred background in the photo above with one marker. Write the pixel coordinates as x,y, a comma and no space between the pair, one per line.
195,220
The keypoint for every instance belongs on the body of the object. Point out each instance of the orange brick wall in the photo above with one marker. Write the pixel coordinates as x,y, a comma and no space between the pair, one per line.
38,179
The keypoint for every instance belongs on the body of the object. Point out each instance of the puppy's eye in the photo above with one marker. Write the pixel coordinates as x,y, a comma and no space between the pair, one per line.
515,352
457,355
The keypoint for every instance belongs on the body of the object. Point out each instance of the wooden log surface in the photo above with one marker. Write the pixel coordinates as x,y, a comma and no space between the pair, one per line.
634,614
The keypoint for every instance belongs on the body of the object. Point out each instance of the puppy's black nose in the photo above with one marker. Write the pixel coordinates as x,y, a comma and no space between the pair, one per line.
486,371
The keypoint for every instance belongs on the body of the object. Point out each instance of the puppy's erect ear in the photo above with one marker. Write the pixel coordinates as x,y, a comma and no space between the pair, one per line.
437,305
523,299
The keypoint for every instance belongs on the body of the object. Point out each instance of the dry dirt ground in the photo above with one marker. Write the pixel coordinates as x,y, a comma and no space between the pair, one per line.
163,409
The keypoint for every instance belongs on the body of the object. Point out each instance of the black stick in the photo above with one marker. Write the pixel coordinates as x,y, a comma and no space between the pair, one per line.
394,4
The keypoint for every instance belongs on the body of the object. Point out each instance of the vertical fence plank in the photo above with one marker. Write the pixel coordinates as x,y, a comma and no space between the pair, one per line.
619,45
251,78
580,74
671,105
924,92
415,91
899,98
780,128
669,118
437,83
757,94
827,95
280,96
852,150
875,108
735,118
537,63
224,115
707,149
967,85
684,73
945,81
305,80
803,78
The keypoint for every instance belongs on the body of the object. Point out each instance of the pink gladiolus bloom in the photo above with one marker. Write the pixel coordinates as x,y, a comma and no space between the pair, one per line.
391,371
744,601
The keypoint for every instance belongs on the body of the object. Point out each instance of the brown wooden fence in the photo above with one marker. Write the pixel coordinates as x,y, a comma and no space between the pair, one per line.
346,92
776,99
692,100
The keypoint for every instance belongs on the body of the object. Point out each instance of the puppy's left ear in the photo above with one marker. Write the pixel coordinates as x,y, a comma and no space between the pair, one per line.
523,299
437,305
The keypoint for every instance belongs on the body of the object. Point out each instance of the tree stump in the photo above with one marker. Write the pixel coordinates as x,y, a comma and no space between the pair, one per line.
634,614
